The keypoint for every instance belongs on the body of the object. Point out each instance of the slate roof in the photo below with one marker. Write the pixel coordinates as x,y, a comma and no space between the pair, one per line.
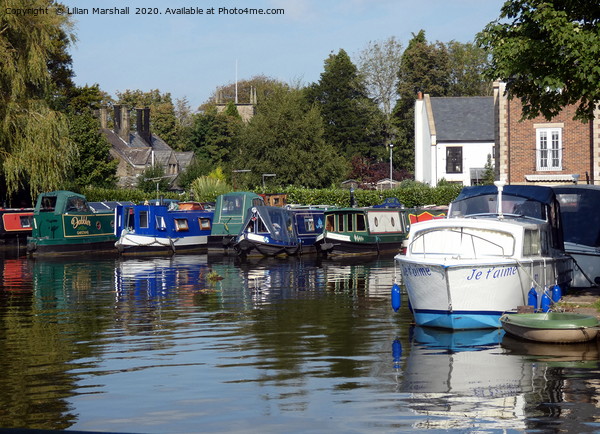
463,119
138,153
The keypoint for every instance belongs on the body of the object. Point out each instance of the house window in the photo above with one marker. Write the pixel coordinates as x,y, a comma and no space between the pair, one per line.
454,159
548,148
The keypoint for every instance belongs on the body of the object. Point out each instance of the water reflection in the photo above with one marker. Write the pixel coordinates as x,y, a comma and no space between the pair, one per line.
457,378
477,378
165,344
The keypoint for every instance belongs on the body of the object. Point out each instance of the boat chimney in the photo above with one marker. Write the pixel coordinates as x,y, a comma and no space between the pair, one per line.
500,186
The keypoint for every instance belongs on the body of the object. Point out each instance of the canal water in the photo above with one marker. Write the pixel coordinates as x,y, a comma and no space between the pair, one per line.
197,343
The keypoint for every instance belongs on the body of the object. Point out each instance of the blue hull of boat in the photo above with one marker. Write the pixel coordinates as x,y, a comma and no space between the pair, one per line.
458,320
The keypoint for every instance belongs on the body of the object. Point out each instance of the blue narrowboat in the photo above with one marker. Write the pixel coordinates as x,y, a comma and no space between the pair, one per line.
274,231
162,228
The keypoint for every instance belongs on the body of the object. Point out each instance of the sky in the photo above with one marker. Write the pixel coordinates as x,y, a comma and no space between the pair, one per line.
191,55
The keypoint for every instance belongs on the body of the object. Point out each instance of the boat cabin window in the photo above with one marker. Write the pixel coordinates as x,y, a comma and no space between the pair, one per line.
309,224
232,205
48,204
143,219
341,221
462,242
204,224
160,223
25,221
257,226
261,228
350,223
130,218
257,201
77,204
360,223
531,243
329,222
181,225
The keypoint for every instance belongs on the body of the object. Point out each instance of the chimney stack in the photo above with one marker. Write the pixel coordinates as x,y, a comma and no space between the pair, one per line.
117,119
125,125
103,117
143,124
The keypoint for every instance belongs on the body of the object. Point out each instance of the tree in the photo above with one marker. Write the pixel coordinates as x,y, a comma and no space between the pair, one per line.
547,52
489,175
162,113
34,142
424,67
468,62
352,121
153,179
95,166
286,137
378,64
184,119
263,86
439,69
214,135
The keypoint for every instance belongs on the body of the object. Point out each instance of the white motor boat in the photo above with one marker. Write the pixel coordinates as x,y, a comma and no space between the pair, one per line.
498,244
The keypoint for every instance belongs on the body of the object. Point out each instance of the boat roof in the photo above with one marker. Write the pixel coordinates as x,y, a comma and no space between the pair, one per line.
538,193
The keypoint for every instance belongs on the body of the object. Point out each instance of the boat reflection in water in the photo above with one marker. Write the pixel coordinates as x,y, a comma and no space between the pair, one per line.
159,276
458,379
474,378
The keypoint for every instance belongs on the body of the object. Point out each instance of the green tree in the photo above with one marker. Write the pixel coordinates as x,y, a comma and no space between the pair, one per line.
95,165
489,175
353,122
163,121
34,143
547,52
286,137
196,169
468,62
214,135
153,179
439,69
262,85
424,67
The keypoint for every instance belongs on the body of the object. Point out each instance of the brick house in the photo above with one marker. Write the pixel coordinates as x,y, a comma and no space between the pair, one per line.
139,149
453,138
544,152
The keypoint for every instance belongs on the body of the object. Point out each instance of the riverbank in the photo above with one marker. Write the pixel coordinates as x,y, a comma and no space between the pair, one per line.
582,300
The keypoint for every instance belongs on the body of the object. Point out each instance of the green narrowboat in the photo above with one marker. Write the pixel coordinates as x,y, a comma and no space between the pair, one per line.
231,210
370,230
64,222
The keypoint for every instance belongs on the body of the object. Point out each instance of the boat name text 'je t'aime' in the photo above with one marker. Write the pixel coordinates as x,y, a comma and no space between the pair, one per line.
492,273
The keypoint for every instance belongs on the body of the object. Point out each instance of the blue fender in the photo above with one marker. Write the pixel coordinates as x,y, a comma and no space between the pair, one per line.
396,297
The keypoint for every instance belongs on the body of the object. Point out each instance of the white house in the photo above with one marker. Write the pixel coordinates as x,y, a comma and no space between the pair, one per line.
453,138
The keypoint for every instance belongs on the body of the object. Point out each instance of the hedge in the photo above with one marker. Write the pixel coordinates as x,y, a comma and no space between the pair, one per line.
410,194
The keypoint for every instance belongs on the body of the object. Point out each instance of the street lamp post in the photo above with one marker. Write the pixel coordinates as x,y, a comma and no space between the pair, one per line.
391,169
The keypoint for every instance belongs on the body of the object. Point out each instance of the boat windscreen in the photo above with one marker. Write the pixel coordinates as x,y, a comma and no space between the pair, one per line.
276,222
487,204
